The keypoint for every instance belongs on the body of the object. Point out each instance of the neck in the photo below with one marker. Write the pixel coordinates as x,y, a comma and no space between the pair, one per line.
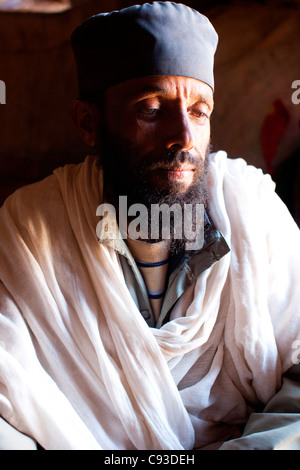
152,260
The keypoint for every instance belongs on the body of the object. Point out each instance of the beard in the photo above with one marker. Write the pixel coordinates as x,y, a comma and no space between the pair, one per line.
125,173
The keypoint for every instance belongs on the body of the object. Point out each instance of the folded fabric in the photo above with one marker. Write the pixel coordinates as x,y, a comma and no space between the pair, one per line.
80,368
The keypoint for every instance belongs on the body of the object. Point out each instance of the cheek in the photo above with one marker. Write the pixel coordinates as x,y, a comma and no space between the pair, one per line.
202,137
143,137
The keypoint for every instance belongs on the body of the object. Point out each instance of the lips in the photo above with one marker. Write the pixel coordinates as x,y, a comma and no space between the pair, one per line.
178,174
179,171
181,175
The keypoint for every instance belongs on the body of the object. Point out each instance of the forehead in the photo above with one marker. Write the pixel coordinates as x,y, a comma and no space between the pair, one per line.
171,87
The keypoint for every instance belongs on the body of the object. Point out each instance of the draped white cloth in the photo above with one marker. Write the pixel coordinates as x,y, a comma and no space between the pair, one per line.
80,368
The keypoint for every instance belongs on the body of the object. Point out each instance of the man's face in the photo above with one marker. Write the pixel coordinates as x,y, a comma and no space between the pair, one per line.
154,140
158,129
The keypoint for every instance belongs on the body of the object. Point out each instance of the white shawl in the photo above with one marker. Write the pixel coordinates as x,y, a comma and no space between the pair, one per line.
80,368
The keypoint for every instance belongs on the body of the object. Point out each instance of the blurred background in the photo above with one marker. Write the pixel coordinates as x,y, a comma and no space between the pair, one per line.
257,62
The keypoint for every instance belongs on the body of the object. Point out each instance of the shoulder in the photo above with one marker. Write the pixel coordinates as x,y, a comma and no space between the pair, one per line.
238,172
45,199
241,194
31,207
238,185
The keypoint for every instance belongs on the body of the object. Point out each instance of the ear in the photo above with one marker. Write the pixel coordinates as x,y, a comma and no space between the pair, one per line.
85,116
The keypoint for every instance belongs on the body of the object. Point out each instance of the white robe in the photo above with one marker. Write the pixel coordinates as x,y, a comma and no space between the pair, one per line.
80,368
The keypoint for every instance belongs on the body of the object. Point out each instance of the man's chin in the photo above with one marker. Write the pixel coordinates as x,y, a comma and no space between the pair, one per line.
162,191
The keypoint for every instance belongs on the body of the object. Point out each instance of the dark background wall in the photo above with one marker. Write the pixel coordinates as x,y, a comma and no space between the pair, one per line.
257,61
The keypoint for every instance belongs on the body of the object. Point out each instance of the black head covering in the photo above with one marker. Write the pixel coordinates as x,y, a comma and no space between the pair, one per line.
159,38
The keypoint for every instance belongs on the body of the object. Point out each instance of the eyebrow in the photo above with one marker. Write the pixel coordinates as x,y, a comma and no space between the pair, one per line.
150,90
209,102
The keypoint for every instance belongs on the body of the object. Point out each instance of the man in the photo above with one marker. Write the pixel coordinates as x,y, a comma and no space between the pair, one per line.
125,338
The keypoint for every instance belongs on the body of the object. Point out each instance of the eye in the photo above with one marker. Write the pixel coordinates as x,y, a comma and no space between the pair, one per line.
200,113
148,109
150,112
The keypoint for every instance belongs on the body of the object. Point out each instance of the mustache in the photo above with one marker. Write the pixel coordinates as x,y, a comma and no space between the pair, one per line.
173,160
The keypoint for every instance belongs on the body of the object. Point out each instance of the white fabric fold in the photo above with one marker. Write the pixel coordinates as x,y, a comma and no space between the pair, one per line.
80,368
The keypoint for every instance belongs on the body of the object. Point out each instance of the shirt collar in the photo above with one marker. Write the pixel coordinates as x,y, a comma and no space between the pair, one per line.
114,239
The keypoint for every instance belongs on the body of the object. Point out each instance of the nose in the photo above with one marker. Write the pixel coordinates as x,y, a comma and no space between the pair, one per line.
180,133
